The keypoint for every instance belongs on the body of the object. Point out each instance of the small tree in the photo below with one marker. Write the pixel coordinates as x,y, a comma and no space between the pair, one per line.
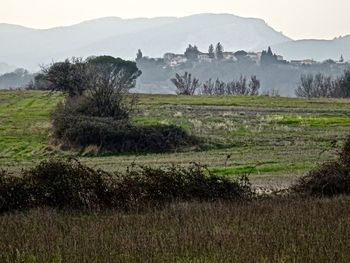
211,52
305,88
208,88
254,86
220,87
344,84
219,51
241,86
185,84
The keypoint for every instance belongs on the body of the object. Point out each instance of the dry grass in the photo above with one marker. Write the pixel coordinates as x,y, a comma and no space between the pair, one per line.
312,230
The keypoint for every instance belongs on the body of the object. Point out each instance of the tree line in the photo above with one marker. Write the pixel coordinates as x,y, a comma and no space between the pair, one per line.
192,52
323,86
188,85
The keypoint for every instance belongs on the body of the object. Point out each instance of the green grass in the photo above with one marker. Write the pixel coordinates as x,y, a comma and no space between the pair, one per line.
261,101
320,120
24,123
288,135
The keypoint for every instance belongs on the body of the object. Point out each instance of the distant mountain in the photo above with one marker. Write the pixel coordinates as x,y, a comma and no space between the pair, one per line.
318,50
28,47
5,68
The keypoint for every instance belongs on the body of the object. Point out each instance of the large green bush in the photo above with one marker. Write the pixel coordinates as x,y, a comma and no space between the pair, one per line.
79,131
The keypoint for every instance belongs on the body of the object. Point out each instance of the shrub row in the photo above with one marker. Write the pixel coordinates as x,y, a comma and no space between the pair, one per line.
72,185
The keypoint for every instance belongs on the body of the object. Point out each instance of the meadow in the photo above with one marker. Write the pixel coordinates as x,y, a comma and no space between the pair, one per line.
274,139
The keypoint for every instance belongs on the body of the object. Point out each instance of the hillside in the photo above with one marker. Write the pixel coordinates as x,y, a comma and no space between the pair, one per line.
122,37
318,50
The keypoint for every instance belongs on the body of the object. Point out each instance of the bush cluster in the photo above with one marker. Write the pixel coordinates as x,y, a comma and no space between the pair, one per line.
330,179
98,105
79,131
174,183
72,185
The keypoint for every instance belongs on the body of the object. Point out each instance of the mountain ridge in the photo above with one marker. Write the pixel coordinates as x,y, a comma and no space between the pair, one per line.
30,47
318,49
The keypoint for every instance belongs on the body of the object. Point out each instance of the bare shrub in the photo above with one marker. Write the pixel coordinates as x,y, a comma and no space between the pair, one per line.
236,87
321,86
254,86
208,88
185,84
331,178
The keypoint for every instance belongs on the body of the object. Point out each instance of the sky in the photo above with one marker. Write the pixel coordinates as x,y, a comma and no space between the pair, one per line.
298,19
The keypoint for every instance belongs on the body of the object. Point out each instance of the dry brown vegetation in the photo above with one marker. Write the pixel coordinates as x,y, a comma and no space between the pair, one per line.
312,230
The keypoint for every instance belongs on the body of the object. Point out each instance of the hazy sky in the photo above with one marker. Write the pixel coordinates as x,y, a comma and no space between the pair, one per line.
295,18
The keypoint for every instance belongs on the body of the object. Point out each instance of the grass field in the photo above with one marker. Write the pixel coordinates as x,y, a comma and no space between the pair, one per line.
276,139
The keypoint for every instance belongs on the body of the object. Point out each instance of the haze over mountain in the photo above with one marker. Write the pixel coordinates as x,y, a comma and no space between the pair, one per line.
315,49
27,47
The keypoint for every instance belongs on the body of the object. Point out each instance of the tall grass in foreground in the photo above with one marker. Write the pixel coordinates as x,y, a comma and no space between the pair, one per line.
282,230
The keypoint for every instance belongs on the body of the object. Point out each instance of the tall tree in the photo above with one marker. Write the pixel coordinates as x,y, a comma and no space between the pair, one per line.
74,76
219,51
192,53
211,51
268,58
269,52
139,55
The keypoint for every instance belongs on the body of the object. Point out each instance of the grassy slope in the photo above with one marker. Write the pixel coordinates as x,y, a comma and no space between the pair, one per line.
285,135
